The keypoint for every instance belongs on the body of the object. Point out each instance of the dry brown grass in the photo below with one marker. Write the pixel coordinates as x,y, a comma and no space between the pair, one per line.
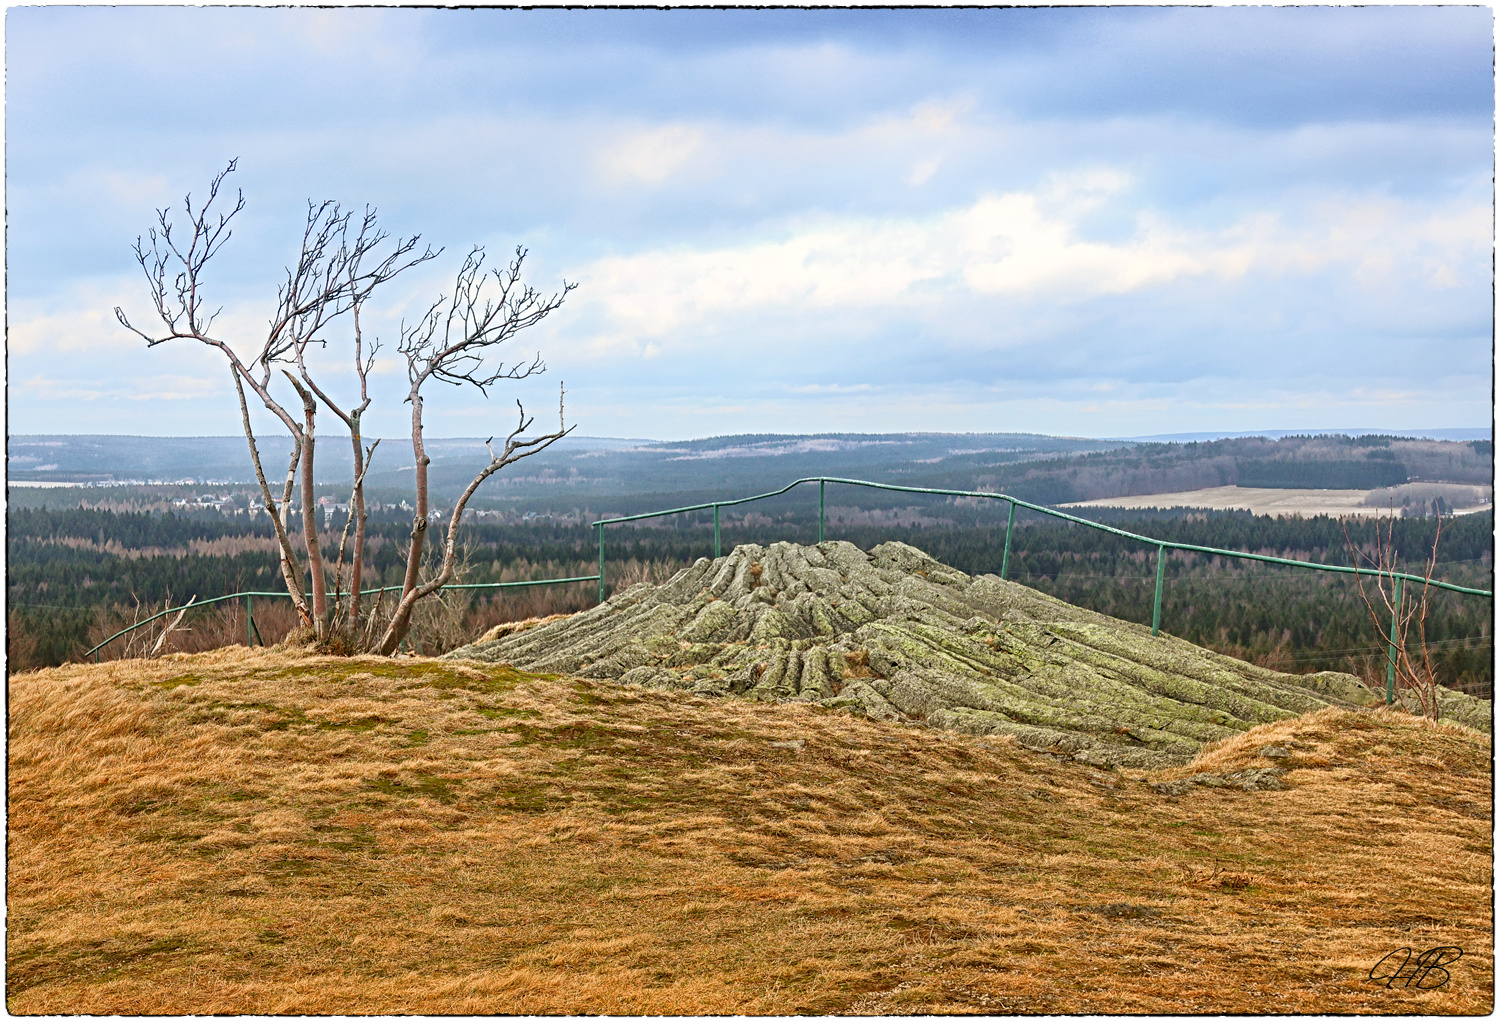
268,832
512,627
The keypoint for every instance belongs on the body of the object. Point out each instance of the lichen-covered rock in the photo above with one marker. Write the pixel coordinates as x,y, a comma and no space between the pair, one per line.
1255,779
895,635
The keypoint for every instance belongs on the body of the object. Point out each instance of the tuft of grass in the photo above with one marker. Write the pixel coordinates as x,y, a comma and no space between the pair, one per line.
271,840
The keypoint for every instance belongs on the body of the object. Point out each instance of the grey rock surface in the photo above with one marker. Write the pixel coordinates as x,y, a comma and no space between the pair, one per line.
1254,779
895,635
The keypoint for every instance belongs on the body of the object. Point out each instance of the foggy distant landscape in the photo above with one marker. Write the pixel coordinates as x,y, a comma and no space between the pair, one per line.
631,476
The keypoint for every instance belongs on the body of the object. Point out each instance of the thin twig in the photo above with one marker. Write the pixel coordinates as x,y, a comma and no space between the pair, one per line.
168,630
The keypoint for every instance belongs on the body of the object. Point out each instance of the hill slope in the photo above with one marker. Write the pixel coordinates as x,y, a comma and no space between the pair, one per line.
896,635
266,832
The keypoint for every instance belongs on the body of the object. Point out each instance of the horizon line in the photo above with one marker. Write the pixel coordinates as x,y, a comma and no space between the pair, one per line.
1182,435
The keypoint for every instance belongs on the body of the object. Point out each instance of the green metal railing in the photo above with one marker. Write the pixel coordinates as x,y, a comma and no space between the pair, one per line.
1162,546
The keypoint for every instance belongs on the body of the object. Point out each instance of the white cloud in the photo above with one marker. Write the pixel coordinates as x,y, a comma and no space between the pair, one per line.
135,388
651,156
62,390
653,294
1010,245
832,388
754,159
174,388
80,322
1021,246
923,171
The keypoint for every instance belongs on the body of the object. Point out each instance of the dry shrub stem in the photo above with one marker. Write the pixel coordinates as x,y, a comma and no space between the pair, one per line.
1395,610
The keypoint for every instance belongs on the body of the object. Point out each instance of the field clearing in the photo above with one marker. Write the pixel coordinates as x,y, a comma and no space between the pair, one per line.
1262,501
272,832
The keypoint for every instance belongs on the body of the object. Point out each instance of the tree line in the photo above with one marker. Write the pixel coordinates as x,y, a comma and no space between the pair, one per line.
1296,462
66,567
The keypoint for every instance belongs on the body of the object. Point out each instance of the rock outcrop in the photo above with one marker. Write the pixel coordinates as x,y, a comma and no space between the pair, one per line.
898,636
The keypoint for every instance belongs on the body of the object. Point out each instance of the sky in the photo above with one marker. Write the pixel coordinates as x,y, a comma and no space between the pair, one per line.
1082,222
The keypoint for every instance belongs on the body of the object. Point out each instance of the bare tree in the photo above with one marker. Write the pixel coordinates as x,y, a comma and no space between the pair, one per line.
359,285
328,280
1399,616
451,344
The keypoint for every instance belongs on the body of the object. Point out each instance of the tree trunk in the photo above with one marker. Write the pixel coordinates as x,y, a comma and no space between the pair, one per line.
401,622
310,522
291,572
357,560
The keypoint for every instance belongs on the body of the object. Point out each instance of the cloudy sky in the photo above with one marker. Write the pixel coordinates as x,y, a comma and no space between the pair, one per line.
1102,222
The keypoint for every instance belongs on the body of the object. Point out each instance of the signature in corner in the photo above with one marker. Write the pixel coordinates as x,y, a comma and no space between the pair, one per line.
1425,971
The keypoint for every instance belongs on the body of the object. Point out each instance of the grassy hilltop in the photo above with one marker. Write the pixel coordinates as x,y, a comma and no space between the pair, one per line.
275,832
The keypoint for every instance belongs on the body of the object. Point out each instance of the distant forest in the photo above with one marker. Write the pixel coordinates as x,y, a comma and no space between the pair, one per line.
74,573
1295,462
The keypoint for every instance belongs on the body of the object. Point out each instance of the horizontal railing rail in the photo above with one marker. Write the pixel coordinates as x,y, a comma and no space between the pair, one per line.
1162,545
1041,509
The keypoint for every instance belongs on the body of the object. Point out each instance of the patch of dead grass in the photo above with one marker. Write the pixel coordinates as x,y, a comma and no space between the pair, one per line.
264,832
512,627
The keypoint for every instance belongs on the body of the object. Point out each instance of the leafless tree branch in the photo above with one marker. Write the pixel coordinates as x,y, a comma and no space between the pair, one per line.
452,341
161,640
341,260
1415,680
356,514
516,447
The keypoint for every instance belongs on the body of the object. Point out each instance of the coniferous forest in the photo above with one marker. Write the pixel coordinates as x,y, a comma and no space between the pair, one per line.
75,575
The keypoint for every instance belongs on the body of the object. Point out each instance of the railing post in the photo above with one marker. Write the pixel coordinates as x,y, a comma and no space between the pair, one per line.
1161,570
716,532
1009,525
600,526
249,642
1390,666
821,484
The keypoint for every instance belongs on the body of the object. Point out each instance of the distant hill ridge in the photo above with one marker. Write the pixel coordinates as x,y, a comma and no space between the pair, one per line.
101,457
638,475
1482,433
